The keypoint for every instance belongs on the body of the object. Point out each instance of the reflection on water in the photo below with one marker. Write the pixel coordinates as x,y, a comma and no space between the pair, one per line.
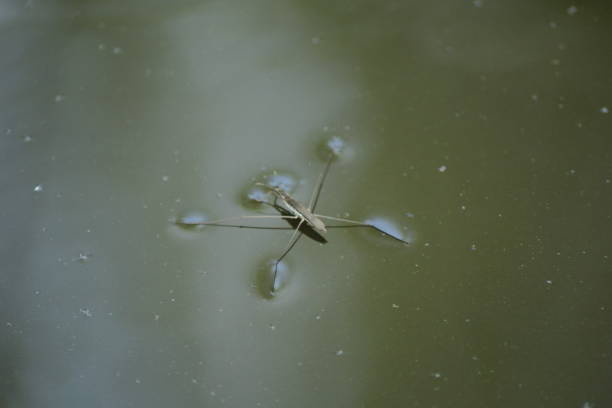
252,196
390,228
268,287
335,146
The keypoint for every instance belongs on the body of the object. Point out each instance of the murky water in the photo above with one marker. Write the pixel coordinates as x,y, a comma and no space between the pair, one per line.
478,132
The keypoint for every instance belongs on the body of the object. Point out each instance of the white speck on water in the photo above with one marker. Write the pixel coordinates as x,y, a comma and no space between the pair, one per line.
101,47
555,61
340,352
117,50
549,282
83,257
463,208
219,195
409,214
473,247
587,404
604,109
38,188
318,317
436,375
137,380
156,317
315,40
27,139
535,97
59,98
86,312
165,178
552,24
442,168
571,10
395,306
272,327
477,3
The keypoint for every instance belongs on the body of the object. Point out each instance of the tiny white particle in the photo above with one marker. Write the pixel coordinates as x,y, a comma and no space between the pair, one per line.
315,40
552,24
340,352
534,97
38,188
604,109
27,139
442,169
436,375
473,247
86,312
59,98
395,306
572,10
549,282
477,3
165,178
117,50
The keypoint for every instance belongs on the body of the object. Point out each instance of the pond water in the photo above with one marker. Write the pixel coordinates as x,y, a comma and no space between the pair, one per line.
477,131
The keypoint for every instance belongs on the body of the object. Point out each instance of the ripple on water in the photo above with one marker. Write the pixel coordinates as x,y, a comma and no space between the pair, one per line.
252,196
391,229
334,145
266,285
190,220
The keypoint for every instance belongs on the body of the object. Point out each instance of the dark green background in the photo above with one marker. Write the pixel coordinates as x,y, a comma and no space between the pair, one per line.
130,113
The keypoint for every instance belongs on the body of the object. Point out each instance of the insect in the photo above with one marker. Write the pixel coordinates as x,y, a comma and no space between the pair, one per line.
302,219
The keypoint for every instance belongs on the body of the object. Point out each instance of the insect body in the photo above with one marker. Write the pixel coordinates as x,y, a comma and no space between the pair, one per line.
298,215
296,208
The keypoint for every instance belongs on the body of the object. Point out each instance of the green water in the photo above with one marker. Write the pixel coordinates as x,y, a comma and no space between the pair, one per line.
479,129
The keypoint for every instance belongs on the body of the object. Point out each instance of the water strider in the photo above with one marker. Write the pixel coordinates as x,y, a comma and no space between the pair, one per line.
297,214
